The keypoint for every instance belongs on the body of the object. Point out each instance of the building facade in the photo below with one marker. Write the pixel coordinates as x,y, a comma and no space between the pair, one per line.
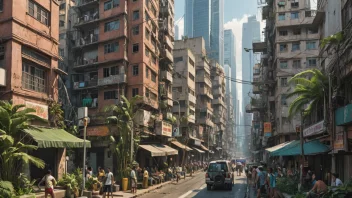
217,31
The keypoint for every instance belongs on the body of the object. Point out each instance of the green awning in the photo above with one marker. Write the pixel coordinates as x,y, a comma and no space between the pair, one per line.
56,138
294,148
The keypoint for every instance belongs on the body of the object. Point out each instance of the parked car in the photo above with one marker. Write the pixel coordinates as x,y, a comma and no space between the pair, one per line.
219,174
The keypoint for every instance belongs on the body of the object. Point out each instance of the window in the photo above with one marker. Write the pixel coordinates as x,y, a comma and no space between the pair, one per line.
61,23
311,45
147,17
62,6
135,71
296,64
177,89
295,46
112,25
312,31
283,47
147,34
147,52
283,33
283,82
135,30
296,31
191,61
311,62
154,59
134,0
110,95
110,71
62,36
281,16
33,78
190,76
38,12
147,72
295,4
111,4
62,52
135,48
135,14
283,64
134,92
283,99
178,59
153,76
111,47
294,15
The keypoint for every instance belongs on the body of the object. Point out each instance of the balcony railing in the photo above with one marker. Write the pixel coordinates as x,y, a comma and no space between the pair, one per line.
92,38
114,79
85,84
85,61
33,83
87,18
166,75
86,2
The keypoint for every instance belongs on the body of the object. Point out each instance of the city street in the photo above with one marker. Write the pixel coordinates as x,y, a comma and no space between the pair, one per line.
196,188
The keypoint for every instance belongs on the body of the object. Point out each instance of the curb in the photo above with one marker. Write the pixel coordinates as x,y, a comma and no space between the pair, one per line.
164,184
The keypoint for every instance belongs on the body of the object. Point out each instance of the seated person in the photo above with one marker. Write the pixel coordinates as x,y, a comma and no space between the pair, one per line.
318,189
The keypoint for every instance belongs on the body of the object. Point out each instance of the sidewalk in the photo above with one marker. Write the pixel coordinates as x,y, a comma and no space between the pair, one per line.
141,192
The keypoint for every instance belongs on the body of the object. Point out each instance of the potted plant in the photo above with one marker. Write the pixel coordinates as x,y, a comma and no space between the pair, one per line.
69,181
93,184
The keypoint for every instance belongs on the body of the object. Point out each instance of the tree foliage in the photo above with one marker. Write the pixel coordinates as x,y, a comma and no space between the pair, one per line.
310,89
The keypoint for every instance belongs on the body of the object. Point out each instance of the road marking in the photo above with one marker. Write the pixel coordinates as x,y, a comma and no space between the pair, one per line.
191,191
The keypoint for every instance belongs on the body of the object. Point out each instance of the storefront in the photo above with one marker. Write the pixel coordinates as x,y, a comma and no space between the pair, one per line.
183,152
52,144
156,156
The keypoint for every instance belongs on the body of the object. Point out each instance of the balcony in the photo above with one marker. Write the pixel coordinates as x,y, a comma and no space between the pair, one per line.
88,102
256,89
87,19
143,118
84,62
114,79
217,90
256,105
205,121
259,47
85,84
90,40
86,4
203,78
166,76
167,54
168,102
306,18
167,7
219,120
218,101
192,98
191,118
205,91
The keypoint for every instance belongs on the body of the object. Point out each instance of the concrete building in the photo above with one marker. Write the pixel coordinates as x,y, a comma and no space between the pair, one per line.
177,32
204,96
29,56
251,33
219,106
184,88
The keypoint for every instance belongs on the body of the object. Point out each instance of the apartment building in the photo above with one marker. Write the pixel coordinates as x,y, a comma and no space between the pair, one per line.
29,43
219,104
184,89
203,87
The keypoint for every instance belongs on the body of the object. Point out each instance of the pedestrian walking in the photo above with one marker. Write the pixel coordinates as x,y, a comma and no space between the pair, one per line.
109,181
50,182
133,180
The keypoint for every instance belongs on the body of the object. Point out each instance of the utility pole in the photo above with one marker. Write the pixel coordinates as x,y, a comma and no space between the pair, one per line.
331,129
302,148
85,123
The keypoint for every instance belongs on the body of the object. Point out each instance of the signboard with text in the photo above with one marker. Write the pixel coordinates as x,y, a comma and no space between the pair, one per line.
339,141
164,129
98,131
314,129
267,129
40,110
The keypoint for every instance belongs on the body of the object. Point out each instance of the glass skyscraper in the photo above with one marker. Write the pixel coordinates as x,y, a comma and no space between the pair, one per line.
188,24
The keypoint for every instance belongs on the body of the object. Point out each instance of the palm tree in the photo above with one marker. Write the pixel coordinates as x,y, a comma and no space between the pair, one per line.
14,119
123,118
310,89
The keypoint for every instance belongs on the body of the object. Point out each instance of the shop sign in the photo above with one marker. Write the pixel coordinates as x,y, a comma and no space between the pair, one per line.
40,110
314,129
98,131
267,129
339,143
176,132
164,129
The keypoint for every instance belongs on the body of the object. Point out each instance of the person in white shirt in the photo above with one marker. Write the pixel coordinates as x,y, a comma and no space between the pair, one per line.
50,182
109,181
335,180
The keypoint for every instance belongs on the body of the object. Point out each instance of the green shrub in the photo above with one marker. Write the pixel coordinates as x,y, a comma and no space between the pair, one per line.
287,185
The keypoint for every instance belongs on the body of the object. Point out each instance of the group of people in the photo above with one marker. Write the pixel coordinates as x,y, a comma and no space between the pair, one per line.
238,167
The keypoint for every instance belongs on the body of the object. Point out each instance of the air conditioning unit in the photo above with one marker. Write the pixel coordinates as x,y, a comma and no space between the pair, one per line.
2,77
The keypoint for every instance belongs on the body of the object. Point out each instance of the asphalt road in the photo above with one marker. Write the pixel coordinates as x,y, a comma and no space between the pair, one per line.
196,188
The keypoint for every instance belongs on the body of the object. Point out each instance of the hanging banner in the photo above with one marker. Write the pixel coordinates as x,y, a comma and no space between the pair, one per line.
339,143
267,129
